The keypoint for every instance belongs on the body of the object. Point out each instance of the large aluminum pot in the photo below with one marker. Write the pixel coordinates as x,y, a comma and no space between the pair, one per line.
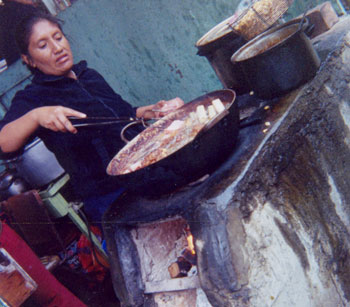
37,165
278,60
217,46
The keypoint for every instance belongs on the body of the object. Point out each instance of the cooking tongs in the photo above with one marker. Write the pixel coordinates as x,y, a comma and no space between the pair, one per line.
101,121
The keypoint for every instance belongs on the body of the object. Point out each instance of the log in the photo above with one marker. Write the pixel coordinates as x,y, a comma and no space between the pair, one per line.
179,268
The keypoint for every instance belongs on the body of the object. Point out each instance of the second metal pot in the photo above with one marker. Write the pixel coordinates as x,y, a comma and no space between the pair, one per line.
278,60
37,165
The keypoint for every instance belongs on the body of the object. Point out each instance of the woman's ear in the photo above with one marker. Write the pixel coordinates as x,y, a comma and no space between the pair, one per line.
26,59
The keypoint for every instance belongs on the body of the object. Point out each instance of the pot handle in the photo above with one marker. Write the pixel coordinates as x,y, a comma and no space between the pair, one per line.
140,121
309,29
304,17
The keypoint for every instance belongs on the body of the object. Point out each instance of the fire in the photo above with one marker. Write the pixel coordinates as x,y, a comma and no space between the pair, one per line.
190,244
184,264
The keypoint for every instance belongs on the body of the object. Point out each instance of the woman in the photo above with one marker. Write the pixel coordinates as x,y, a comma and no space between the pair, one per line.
60,90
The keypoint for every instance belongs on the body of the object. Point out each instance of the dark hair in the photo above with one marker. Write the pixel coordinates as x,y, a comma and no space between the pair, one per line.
24,28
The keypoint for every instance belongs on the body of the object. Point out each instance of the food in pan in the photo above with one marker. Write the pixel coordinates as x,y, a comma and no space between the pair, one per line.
218,105
163,138
211,112
202,114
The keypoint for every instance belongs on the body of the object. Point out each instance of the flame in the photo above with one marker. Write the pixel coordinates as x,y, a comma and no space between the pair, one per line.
190,243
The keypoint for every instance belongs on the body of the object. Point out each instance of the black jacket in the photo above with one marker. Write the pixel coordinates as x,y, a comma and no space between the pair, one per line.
84,155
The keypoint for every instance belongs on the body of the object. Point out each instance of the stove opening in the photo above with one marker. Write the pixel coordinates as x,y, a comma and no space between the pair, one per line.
166,252
168,262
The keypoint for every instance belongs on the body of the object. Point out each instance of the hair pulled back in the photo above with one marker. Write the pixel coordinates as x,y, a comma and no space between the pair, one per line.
25,27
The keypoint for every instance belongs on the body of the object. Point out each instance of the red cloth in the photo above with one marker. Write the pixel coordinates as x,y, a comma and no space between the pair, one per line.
50,291
87,257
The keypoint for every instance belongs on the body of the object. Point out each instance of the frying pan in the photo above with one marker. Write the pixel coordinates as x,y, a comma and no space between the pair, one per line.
200,156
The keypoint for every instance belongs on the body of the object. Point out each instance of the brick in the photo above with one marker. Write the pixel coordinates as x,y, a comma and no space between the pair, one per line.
323,17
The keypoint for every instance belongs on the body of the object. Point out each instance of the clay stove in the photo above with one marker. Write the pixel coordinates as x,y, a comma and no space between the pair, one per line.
148,236
271,225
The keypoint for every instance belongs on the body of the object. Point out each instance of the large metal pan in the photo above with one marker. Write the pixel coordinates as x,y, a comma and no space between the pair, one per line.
201,156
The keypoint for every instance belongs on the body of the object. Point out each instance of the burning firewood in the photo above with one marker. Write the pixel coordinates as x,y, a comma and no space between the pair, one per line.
189,256
180,268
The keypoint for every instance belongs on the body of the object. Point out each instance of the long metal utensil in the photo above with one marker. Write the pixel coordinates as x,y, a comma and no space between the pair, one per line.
101,121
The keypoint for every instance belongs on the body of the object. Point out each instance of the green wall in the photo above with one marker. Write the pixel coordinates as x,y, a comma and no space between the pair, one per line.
145,49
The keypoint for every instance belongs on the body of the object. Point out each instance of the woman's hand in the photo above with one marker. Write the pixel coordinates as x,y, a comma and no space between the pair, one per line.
55,118
159,109
16,133
164,107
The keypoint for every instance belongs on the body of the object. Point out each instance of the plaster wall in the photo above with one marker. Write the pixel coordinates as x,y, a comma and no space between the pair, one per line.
145,49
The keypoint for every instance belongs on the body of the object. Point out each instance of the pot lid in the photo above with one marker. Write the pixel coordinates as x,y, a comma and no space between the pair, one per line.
219,31
32,143
259,16
248,22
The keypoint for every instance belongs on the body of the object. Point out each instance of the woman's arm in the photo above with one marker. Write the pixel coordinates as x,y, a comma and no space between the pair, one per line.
29,2
15,134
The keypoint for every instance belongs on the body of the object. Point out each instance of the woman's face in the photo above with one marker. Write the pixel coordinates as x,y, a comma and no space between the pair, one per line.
49,50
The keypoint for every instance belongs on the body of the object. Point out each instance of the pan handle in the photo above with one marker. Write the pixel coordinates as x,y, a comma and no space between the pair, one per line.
136,122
